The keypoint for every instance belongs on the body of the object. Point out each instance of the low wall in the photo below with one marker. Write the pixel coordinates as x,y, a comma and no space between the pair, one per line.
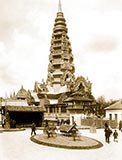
99,123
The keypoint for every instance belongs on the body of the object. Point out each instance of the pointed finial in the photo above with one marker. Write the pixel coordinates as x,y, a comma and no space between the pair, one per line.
59,6
22,87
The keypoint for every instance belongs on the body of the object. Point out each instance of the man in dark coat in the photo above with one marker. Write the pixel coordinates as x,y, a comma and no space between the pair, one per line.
33,129
120,125
108,133
106,124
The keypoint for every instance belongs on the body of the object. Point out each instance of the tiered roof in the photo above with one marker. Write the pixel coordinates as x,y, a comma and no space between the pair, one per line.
61,67
22,93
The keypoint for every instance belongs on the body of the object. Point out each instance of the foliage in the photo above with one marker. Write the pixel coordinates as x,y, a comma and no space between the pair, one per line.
102,104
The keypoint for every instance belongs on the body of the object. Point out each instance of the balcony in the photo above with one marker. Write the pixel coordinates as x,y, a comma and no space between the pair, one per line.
56,45
56,61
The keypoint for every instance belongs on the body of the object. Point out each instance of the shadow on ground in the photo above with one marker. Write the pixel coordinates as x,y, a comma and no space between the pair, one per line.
11,129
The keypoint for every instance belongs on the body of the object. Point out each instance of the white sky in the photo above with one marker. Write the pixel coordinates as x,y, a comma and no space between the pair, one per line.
95,32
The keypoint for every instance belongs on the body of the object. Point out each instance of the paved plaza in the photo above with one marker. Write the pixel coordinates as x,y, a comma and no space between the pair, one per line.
18,146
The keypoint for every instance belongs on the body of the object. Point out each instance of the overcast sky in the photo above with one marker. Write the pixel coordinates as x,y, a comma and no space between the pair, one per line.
95,32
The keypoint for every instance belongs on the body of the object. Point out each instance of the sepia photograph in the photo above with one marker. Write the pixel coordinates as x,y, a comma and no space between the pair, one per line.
60,79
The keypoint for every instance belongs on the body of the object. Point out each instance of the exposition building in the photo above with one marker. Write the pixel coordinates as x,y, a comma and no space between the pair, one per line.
62,96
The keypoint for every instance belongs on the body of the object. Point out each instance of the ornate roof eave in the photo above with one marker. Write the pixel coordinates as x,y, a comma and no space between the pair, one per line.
25,109
77,93
77,98
76,108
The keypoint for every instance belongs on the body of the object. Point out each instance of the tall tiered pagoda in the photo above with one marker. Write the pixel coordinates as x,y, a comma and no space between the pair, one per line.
63,94
61,68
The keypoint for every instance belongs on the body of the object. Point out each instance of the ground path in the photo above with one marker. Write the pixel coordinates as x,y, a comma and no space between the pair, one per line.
18,146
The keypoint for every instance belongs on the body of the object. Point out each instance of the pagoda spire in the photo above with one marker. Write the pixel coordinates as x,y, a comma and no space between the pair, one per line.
61,68
59,6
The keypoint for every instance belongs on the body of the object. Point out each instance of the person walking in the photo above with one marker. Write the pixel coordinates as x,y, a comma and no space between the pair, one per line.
33,129
106,124
120,125
115,135
108,133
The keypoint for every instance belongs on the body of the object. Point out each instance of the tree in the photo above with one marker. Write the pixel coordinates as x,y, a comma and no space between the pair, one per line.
102,104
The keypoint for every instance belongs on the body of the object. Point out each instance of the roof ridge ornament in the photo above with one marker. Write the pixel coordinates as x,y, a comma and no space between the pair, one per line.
59,6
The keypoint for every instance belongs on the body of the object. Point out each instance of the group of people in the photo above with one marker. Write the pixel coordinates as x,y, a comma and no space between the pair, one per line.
107,130
108,133
49,130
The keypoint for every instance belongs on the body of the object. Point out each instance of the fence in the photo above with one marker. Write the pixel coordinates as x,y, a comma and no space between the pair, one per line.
99,123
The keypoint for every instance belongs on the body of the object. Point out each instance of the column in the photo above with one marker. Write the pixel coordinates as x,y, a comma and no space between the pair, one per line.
48,110
59,110
7,121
